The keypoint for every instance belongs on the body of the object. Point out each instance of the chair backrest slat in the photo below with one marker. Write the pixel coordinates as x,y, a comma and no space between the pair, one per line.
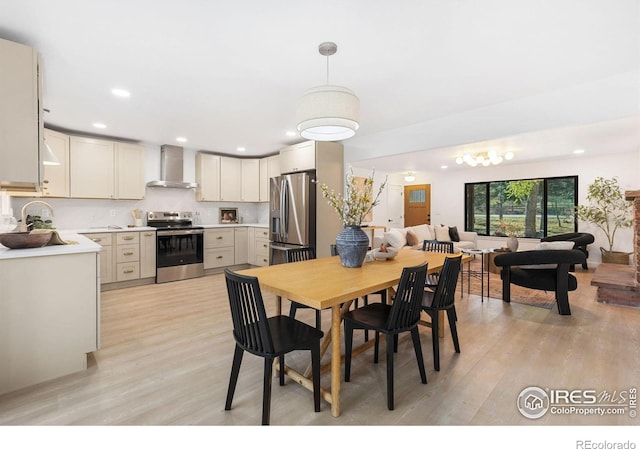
437,246
405,309
299,254
250,327
446,288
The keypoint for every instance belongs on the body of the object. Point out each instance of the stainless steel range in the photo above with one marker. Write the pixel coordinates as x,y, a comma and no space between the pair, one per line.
179,246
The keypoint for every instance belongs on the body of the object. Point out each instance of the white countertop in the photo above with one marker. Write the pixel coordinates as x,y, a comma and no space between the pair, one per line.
149,228
84,245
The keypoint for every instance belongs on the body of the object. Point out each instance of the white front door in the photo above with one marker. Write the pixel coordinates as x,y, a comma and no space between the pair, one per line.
395,206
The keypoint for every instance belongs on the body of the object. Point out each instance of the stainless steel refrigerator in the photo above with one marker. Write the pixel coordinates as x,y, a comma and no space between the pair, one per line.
292,214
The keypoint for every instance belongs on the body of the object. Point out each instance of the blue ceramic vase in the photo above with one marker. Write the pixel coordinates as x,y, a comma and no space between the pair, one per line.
352,244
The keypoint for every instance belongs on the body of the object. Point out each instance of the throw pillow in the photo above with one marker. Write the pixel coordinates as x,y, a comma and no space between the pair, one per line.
442,234
395,238
453,233
412,238
422,232
558,245
555,245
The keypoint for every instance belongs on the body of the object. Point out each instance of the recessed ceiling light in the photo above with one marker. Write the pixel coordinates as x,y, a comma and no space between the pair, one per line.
181,139
99,125
291,133
241,149
121,93
578,151
444,166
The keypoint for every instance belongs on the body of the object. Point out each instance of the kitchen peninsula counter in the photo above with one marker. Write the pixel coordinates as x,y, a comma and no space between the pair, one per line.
49,311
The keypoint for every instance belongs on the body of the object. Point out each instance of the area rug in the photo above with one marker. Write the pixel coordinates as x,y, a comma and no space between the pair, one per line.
520,295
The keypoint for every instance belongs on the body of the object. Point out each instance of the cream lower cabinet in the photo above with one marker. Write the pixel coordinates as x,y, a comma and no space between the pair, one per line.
147,254
126,256
241,246
260,245
105,240
219,247
49,317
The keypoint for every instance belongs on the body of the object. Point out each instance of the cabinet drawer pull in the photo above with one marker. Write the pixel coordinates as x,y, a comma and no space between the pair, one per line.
148,234
46,181
264,246
219,237
96,240
128,237
128,271
128,253
219,257
264,260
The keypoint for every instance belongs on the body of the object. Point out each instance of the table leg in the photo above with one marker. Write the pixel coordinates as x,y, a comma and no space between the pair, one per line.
336,319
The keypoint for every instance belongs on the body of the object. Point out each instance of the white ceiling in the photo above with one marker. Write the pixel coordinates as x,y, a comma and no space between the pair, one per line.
430,74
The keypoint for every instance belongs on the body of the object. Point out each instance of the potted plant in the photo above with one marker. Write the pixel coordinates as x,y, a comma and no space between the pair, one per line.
358,200
609,211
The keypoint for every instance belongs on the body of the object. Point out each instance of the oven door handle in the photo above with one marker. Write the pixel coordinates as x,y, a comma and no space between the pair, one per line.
181,232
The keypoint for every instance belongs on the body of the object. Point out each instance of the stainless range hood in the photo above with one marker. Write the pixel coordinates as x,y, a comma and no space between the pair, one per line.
171,169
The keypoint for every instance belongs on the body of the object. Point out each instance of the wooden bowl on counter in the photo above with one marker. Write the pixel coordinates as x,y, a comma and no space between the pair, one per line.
22,240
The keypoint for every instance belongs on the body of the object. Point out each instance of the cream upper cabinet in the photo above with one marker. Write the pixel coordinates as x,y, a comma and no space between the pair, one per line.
299,157
92,168
20,115
55,179
106,169
207,177
251,180
130,168
269,167
230,179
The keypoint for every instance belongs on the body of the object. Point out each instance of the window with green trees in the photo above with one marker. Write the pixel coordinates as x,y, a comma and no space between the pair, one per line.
532,208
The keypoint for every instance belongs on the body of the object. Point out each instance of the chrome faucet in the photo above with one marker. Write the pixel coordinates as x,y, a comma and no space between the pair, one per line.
23,225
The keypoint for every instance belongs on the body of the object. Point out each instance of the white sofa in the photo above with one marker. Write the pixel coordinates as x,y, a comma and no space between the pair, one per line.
415,235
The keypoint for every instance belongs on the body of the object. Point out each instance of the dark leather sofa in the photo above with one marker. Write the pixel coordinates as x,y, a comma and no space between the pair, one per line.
556,278
580,240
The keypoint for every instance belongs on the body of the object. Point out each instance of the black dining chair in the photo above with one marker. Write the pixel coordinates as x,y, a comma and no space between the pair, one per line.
266,337
436,246
401,316
298,255
443,299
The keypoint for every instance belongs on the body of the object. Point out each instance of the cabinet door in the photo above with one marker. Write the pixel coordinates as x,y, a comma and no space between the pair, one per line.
207,177
130,167
147,254
230,179
298,157
241,246
269,168
106,259
55,180
92,163
251,250
19,114
250,180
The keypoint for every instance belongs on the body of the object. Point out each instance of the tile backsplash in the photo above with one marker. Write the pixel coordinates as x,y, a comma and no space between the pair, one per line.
88,213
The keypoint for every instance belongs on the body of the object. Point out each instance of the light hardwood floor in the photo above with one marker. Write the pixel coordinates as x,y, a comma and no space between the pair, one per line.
167,349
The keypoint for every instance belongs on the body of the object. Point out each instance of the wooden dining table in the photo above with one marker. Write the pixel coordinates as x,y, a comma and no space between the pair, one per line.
325,284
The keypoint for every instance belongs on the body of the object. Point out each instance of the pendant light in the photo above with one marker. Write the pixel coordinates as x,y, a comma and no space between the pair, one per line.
328,113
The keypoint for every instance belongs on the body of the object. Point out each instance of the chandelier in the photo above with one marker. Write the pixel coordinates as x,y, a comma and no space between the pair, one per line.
328,112
484,158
